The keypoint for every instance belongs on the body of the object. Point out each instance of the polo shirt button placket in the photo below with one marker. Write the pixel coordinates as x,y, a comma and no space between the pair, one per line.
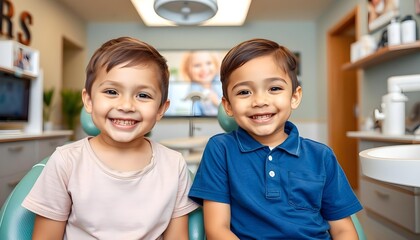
271,173
272,183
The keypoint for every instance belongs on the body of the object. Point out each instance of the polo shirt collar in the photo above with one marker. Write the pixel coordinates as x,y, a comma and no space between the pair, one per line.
291,145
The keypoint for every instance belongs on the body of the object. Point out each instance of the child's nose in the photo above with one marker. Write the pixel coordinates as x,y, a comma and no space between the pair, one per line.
259,100
126,104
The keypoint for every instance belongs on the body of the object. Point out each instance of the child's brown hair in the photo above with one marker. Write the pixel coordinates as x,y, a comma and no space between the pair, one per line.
253,48
132,52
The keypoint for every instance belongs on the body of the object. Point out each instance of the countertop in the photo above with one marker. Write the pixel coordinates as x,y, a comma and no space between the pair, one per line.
12,137
372,135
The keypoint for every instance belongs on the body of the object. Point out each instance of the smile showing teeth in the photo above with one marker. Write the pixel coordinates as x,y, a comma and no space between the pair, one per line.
123,122
261,117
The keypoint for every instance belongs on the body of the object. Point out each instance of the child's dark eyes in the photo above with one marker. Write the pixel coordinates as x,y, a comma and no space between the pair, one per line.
111,92
143,95
273,89
244,92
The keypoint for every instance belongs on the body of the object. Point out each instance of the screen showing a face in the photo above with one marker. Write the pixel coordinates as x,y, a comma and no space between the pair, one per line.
194,88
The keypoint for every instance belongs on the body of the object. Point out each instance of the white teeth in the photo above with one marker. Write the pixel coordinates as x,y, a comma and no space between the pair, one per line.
123,122
260,117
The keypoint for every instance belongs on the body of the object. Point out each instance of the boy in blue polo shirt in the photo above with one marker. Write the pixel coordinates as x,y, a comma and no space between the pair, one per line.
264,181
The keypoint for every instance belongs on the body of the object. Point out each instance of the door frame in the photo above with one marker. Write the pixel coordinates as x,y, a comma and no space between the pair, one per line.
343,94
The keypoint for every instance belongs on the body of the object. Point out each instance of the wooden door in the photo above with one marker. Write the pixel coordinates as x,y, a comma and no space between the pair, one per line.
343,95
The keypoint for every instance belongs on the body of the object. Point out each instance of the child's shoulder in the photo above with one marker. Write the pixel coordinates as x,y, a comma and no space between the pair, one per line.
161,150
314,145
226,135
71,153
72,146
223,138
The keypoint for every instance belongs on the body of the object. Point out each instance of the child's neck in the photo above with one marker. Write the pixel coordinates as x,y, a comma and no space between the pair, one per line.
272,141
131,157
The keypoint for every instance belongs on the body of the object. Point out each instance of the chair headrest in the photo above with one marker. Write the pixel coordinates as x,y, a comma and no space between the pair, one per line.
87,124
226,122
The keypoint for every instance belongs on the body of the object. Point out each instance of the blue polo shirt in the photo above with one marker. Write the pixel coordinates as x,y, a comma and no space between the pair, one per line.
289,192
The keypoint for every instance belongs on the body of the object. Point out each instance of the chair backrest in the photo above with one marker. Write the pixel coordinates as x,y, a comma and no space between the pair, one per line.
17,223
358,226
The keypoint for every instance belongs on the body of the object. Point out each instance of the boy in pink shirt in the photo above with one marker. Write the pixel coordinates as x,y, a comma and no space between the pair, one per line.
119,184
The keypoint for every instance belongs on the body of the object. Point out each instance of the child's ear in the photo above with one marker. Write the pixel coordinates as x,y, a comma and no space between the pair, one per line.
296,98
162,110
227,107
87,101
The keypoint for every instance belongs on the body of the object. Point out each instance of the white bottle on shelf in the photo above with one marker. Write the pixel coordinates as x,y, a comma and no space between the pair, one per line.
394,32
408,30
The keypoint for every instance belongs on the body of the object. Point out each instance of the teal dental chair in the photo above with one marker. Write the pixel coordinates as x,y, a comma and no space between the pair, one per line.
16,223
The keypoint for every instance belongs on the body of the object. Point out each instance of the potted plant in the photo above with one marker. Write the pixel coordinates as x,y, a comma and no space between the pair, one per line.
71,107
47,109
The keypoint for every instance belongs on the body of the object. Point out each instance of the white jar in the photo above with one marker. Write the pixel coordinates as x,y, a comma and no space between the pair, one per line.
408,30
394,33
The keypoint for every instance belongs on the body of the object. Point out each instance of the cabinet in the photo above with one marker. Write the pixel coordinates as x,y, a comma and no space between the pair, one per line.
398,204
18,153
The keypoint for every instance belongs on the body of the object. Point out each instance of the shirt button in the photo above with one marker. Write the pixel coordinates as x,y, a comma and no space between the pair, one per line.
270,158
272,173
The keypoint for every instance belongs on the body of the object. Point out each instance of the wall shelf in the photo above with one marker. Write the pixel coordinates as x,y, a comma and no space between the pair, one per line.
18,73
23,60
382,55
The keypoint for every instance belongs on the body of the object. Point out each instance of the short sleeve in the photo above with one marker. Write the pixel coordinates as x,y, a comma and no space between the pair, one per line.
211,181
49,196
183,204
339,200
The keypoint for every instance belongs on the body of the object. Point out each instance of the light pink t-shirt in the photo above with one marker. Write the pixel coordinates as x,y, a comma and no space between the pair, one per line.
100,203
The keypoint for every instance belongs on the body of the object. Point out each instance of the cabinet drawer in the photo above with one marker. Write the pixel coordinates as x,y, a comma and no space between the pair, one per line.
7,184
47,146
399,206
16,157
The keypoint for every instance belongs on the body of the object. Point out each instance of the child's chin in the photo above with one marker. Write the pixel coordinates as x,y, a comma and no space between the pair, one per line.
125,139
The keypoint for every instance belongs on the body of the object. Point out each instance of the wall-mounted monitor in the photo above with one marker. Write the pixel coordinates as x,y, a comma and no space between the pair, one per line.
195,89
14,98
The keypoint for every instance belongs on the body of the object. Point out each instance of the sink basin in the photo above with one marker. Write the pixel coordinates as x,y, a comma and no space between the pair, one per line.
398,164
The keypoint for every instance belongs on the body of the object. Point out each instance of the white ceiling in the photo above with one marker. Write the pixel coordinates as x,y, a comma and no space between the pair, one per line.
260,10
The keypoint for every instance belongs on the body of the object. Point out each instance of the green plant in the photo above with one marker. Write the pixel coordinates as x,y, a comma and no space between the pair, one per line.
47,98
71,106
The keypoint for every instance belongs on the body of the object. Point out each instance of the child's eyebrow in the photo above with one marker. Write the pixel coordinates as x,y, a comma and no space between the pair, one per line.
241,84
270,79
109,82
275,79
